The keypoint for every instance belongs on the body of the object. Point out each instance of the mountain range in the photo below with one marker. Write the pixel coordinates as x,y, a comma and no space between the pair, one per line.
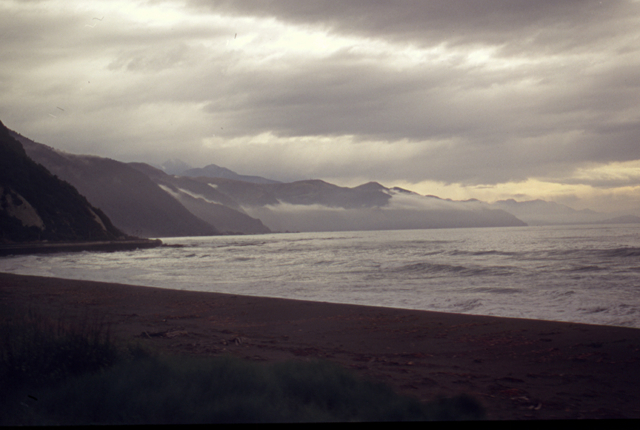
176,199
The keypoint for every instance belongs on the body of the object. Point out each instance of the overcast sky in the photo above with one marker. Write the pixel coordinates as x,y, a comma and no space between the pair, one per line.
488,99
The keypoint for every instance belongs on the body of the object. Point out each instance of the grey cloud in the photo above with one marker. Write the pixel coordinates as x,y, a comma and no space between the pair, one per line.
140,59
319,99
568,99
516,24
326,98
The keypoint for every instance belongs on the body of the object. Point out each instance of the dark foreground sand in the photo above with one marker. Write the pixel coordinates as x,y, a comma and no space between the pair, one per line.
519,369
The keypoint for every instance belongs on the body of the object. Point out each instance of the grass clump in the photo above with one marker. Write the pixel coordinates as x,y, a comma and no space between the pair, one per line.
191,390
67,374
37,352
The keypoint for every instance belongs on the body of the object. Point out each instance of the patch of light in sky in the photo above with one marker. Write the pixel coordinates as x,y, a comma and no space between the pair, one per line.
266,40
526,190
480,56
629,170
165,15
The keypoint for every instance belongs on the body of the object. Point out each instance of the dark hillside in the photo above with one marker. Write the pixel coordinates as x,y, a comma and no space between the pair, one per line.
205,202
36,205
133,201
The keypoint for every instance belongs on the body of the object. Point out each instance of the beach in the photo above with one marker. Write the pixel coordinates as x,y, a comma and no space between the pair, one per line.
518,369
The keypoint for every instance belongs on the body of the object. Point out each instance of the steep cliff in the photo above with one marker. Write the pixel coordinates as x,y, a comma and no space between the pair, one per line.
36,205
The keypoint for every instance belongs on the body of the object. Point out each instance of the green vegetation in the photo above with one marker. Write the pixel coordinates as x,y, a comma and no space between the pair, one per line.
55,373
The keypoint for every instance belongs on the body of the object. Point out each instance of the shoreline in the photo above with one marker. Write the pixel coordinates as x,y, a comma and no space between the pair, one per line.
517,368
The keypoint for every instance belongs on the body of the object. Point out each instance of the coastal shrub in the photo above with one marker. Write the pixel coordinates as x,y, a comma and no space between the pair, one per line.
190,390
37,351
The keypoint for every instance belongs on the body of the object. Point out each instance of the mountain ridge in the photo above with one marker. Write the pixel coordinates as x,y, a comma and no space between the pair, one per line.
215,171
231,203
131,200
37,206
144,200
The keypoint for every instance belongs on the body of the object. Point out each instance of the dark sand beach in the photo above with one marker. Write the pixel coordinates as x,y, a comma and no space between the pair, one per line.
518,369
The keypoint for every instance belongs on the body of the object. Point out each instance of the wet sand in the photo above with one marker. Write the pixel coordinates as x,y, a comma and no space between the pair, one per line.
518,369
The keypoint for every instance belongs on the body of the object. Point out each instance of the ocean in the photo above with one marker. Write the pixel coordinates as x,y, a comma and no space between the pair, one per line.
587,274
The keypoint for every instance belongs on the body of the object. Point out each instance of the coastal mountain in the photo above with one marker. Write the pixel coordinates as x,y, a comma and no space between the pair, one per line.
146,201
213,171
174,166
304,193
315,205
129,198
178,167
38,206
204,201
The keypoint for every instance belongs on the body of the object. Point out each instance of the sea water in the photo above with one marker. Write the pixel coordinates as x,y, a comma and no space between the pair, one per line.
588,274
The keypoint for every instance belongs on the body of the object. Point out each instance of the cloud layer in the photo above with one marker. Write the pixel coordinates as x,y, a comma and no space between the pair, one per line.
480,95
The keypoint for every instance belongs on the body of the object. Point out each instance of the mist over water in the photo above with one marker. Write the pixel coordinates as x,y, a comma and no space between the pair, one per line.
588,274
